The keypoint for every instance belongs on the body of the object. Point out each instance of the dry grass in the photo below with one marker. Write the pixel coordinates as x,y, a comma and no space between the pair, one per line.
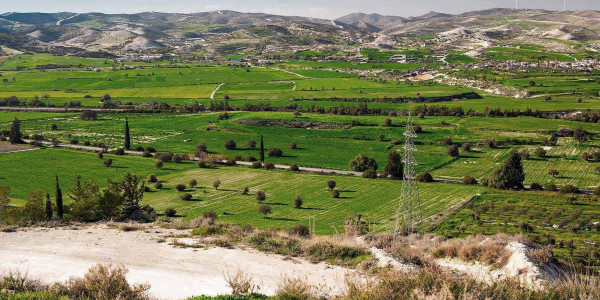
541,256
295,289
241,284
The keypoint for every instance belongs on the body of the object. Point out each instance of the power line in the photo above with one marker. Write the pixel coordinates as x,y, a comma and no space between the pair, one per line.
409,208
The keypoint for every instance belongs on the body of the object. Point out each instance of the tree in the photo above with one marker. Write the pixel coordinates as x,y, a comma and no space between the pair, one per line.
387,122
4,199
59,200
580,134
158,164
34,206
108,162
193,183
48,207
469,180
132,191
298,201
331,184
293,145
216,184
110,202
127,137
200,149
294,168
540,152
261,196
371,174
251,144
335,193
84,206
88,114
424,177
275,152
262,149
510,174
264,209
532,83
230,145
453,151
362,163
15,136
394,167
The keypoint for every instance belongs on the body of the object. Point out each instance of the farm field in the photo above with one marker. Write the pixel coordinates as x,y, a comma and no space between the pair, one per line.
550,217
374,199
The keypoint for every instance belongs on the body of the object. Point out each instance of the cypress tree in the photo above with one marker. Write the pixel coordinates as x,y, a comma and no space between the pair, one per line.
510,174
59,200
127,137
48,207
262,149
15,136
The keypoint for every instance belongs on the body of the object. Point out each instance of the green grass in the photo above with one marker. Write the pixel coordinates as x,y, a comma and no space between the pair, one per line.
376,200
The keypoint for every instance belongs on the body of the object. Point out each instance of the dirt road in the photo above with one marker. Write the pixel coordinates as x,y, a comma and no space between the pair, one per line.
53,255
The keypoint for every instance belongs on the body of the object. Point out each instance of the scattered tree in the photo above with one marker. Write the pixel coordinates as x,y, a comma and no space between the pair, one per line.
15,136
251,144
510,174
216,184
553,172
453,151
331,184
127,136
275,152
170,212
193,183
264,209
108,162
424,177
59,200
262,149
394,167
362,163
230,145
335,193
261,196
298,201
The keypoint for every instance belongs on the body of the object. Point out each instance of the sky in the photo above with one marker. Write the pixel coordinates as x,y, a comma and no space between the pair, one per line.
328,9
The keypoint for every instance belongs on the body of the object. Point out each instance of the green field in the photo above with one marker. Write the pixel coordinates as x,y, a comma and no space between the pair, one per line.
376,200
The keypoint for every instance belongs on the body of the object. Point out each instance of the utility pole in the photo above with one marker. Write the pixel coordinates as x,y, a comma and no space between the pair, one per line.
409,208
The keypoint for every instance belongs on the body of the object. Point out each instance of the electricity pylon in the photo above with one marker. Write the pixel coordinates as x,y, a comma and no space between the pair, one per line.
409,209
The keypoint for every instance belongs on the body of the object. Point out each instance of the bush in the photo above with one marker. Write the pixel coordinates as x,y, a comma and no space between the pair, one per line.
469,180
152,178
186,197
164,156
269,166
453,151
372,174
108,162
362,163
264,209
257,165
568,189
158,186
251,144
104,282
261,196
294,168
298,201
158,164
551,187
216,184
245,191
170,212
193,183
424,177
230,145
176,158
417,128
331,184
335,193
88,115
540,152
210,215
180,187
275,152
293,145
299,230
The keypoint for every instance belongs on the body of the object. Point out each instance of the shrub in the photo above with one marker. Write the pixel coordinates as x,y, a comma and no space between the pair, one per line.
164,156
245,191
568,189
158,164
275,152
216,184
108,162
540,152
158,186
251,144
269,166
362,163
105,282
417,128
256,165
551,187
210,215
293,145
553,172
424,177
453,150
176,158
150,149
335,193
264,209
447,141
170,212
469,180
541,256
180,187
372,174
152,178
298,201
387,122
299,230
88,115
230,145
53,127
294,168
261,196
466,147
186,197
193,183
251,159
331,184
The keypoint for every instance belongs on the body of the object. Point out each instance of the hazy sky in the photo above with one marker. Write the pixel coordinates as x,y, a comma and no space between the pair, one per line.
329,9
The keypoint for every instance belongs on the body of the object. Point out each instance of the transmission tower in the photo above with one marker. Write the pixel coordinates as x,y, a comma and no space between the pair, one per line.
409,209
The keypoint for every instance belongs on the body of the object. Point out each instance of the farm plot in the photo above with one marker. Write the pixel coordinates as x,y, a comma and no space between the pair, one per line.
375,200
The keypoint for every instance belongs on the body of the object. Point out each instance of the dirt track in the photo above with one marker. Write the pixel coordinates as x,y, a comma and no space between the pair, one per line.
174,273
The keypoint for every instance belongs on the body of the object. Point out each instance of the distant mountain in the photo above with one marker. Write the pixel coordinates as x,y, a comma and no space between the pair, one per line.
375,20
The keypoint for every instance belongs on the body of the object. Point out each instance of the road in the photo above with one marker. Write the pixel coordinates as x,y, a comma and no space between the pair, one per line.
212,95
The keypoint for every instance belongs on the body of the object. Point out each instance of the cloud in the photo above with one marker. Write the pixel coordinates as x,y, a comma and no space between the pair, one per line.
213,7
